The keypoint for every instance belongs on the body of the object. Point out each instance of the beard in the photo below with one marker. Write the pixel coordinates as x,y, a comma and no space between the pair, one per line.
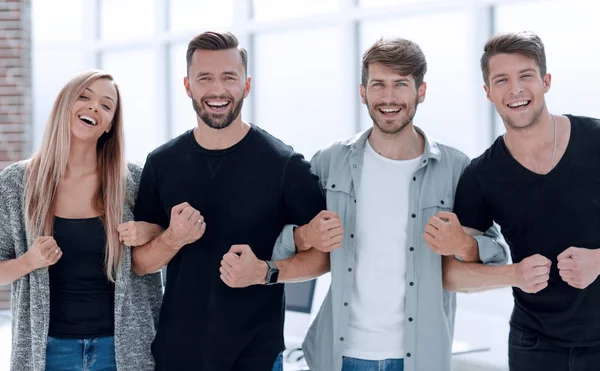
410,114
218,121
534,119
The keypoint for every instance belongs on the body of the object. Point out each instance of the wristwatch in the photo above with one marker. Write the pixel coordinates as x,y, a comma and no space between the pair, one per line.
272,273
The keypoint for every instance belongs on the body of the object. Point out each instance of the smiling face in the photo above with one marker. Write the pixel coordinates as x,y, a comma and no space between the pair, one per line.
516,87
217,85
391,98
93,112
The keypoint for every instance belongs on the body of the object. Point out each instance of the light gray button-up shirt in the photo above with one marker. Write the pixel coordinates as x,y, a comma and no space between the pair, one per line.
429,309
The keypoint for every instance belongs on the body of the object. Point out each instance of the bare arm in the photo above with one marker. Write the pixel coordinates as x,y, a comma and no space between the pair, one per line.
241,268
460,276
186,226
530,275
13,269
152,256
303,266
307,264
313,243
43,253
138,233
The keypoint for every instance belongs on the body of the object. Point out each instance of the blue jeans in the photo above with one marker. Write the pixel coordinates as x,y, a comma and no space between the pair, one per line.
278,365
355,364
81,354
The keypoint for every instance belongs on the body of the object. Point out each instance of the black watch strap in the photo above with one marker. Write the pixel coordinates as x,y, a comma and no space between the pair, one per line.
272,273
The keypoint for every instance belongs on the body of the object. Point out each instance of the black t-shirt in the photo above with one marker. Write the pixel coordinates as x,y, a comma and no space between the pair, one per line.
81,296
247,193
543,214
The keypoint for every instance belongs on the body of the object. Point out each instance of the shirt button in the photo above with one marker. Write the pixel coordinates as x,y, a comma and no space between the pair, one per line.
354,201
354,166
414,178
408,354
351,236
345,304
333,186
412,249
424,161
349,269
413,215
442,201
341,339
412,283
410,319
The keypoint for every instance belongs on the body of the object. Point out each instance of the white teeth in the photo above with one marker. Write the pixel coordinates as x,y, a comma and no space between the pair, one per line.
91,120
390,110
217,104
518,104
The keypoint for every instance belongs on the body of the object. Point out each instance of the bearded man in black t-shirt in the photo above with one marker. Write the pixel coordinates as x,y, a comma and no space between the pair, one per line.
223,193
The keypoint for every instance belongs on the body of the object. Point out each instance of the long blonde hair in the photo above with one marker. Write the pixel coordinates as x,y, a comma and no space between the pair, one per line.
48,166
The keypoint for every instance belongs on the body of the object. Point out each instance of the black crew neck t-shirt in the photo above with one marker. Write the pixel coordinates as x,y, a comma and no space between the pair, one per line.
247,193
543,214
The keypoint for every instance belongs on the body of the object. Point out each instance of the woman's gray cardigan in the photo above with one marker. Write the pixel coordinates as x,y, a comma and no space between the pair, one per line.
137,299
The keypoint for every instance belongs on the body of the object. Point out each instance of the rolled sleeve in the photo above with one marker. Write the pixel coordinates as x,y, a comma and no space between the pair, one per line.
493,249
285,247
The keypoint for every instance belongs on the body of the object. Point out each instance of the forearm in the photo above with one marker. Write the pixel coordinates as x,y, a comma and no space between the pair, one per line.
470,252
301,239
461,276
13,269
303,266
154,255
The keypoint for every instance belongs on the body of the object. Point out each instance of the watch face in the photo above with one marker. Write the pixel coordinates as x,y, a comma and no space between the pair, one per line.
274,276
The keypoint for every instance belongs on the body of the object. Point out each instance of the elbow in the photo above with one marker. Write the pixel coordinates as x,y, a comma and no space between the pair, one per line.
448,284
326,266
138,270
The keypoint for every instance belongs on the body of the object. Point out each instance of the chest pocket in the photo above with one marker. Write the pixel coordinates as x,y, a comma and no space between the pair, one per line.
339,185
433,202
338,191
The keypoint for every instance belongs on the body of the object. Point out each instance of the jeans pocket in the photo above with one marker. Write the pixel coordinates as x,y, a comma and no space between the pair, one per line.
522,339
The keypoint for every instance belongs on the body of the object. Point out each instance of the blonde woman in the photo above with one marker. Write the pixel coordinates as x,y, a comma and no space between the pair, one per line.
65,227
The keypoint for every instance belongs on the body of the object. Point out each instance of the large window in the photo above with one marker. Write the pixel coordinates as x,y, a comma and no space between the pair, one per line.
304,58
269,10
444,114
194,15
572,51
134,71
305,107
56,54
125,20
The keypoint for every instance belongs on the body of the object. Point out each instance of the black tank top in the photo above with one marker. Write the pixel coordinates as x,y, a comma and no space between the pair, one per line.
81,296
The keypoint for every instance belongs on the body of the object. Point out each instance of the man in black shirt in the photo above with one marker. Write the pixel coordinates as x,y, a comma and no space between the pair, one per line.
225,188
540,182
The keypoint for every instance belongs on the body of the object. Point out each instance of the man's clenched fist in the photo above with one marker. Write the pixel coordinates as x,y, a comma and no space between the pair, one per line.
186,226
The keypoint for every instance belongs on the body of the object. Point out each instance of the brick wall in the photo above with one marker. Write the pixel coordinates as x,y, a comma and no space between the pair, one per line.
15,89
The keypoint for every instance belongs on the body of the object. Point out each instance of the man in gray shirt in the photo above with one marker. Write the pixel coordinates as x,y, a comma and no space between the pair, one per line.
386,308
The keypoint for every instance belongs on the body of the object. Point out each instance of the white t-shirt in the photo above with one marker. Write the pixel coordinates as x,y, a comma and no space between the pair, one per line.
376,330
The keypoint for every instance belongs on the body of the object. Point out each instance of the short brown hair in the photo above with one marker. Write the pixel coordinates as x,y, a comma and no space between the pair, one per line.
525,43
403,56
212,40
